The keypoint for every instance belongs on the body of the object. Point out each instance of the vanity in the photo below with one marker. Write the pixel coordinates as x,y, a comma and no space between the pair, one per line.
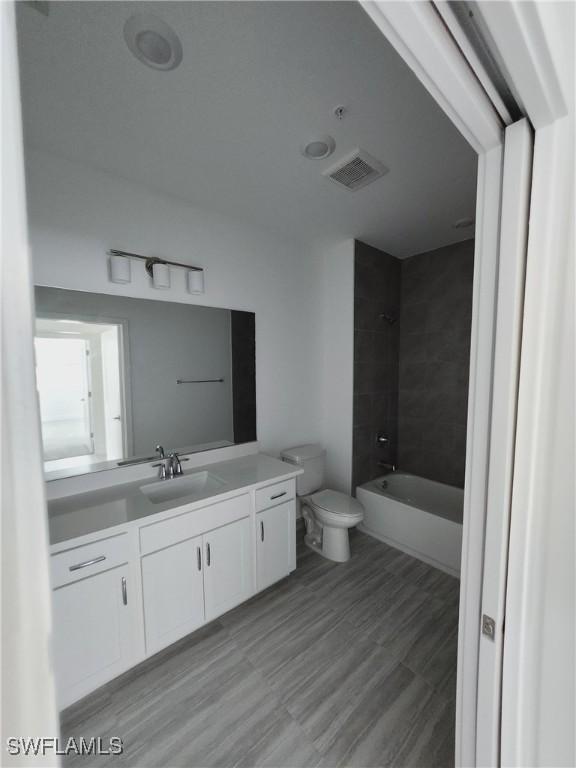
147,546
137,566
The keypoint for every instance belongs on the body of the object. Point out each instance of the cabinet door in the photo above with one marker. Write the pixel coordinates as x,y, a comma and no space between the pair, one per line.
275,543
228,572
173,593
91,633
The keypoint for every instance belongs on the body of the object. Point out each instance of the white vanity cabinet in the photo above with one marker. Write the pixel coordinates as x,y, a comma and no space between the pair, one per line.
227,567
173,593
194,581
275,533
189,581
93,617
126,593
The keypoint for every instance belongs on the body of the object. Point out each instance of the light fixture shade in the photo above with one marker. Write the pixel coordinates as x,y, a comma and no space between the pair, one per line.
161,276
196,281
120,270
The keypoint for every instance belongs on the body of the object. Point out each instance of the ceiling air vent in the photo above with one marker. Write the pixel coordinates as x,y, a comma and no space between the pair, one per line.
356,170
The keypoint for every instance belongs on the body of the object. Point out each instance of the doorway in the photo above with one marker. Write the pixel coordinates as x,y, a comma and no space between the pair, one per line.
83,412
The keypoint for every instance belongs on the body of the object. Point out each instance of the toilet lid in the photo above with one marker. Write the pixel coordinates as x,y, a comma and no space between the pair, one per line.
338,503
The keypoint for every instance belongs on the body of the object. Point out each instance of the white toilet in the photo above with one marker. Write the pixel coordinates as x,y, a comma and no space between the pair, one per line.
327,514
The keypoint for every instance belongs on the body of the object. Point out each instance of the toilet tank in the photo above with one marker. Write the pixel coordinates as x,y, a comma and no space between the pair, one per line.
311,458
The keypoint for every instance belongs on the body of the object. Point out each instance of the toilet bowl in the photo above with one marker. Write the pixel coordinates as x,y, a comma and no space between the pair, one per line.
328,516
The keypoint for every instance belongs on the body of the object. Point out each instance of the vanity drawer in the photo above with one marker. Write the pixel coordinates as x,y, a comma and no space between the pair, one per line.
275,494
80,562
176,529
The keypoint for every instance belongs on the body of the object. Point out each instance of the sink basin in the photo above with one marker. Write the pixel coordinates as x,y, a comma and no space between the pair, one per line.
194,486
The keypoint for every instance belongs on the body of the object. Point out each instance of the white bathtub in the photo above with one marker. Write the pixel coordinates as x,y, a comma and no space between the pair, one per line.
420,517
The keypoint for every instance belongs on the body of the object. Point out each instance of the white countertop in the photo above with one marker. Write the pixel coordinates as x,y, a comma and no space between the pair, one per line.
121,505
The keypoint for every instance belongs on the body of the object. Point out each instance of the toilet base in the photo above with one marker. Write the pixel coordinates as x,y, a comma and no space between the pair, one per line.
335,545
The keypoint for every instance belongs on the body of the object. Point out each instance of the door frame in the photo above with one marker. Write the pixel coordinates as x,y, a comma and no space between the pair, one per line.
124,354
420,33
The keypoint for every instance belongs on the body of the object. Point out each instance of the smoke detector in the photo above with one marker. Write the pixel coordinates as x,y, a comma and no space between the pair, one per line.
152,41
356,170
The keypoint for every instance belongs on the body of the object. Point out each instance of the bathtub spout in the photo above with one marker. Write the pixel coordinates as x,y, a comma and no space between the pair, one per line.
388,467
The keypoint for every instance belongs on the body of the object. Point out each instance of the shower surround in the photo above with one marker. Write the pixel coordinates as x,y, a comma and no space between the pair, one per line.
435,322
411,376
376,348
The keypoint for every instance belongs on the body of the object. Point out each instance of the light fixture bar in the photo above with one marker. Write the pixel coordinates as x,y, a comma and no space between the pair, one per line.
151,260
199,381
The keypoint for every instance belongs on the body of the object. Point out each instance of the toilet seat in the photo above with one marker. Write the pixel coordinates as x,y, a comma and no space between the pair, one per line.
337,503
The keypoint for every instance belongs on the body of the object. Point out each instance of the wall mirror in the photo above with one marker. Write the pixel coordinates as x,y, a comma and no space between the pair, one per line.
116,376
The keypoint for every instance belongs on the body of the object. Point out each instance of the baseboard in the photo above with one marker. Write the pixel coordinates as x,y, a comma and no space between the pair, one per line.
409,551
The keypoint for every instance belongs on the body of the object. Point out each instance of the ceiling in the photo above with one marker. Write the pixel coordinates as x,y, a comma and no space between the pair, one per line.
223,131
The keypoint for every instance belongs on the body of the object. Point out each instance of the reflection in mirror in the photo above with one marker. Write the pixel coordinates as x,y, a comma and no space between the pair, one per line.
117,376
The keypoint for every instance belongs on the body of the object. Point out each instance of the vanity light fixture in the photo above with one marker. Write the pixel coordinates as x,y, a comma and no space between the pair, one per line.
159,270
195,281
160,275
120,269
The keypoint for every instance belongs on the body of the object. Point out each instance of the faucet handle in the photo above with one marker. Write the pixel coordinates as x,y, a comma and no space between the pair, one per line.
162,470
175,464
160,451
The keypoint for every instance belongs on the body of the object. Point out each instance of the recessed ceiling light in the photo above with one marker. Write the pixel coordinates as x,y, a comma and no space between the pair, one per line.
463,223
152,41
319,148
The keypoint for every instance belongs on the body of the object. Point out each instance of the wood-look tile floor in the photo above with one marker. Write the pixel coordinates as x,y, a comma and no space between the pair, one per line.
338,665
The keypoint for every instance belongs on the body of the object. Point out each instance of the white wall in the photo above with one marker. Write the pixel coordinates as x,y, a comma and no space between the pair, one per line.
336,266
76,214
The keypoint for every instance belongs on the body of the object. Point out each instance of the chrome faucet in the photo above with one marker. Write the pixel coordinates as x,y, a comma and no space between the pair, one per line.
162,470
169,466
161,464
387,467
175,467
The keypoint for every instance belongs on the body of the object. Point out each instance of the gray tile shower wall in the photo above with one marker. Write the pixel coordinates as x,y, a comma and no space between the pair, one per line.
243,334
376,345
435,321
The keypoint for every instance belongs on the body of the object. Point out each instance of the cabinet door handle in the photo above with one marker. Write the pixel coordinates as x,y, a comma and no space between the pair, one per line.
124,591
278,495
199,558
94,560
208,554
261,530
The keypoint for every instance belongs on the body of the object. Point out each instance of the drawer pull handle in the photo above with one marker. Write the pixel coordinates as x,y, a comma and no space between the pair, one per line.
124,591
278,495
261,530
199,558
208,554
86,563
